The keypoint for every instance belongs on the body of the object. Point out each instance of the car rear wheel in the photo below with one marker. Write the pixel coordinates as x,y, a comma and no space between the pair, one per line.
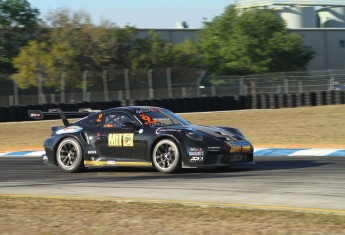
166,156
69,155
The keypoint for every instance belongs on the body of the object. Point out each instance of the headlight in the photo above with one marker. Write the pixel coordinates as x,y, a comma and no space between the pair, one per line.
194,136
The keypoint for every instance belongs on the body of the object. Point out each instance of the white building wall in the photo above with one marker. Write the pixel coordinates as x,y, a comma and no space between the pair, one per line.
329,45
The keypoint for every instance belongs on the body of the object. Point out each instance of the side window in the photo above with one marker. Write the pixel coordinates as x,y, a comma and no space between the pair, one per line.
115,120
92,120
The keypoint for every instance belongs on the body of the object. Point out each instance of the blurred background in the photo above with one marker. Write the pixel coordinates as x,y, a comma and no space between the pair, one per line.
57,53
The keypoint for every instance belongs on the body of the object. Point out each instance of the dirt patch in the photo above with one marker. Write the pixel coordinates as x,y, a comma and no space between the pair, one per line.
61,216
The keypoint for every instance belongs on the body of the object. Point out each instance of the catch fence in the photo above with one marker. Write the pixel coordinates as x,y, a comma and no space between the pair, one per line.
108,85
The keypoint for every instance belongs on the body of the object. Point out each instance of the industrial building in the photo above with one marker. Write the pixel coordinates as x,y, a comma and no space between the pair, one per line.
321,23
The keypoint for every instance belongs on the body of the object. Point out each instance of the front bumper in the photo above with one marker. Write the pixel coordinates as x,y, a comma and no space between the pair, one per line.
228,159
221,159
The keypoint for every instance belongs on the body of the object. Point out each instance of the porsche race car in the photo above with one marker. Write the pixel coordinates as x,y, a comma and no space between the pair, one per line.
142,136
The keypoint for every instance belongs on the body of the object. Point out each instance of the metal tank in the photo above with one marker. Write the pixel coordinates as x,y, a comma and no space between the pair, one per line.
298,17
332,17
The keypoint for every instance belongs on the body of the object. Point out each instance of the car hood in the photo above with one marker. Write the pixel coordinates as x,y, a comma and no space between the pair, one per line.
220,133
226,134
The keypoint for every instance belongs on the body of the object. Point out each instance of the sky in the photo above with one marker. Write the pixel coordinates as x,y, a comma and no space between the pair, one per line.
162,14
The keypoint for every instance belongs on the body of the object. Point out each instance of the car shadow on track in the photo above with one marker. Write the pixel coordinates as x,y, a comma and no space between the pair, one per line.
260,166
146,173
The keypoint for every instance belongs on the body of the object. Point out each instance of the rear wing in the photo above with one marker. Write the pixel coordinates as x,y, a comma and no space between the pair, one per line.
82,112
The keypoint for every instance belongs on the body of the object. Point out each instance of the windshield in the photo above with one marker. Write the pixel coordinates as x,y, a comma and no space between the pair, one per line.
160,117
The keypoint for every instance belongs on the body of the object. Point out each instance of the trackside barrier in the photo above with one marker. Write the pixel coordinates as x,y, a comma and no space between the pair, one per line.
199,104
191,104
291,100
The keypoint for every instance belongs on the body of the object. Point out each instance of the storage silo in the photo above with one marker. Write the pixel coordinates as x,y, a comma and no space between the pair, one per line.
332,17
298,17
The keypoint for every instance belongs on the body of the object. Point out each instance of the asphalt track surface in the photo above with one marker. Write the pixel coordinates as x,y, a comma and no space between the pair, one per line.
290,182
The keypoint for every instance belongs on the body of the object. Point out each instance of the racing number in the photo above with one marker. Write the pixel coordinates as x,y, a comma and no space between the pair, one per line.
99,118
147,119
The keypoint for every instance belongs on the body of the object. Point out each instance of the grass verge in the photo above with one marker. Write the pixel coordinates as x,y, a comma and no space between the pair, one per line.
27,215
320,126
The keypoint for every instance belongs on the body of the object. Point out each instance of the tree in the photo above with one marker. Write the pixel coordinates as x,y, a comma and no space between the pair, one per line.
186,54
150,52
19,23
73,44
253,41
34,60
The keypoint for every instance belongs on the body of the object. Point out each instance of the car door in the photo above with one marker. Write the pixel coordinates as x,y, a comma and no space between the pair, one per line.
118,143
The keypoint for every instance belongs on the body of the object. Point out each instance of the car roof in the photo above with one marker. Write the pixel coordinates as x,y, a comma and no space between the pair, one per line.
130,108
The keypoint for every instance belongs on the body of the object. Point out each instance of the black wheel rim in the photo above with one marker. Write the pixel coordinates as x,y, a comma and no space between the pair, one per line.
165,155
68,154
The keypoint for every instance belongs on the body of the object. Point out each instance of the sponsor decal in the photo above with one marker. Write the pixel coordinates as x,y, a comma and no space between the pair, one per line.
196,152
111,162
146,111
92,152
121,140
238,158
196,159
69,129
35,115
163,130
214,148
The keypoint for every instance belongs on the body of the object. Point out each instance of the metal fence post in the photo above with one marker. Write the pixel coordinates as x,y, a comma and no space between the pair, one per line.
213,90
169,83
15,91
198,83
119,95
241,86
184,91
85,85
128,94
10,100
105,85
40,89
286,85
63,88
52,98
150,83
331,83
300,86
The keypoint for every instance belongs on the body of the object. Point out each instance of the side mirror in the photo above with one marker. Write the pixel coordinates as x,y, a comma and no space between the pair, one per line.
129,126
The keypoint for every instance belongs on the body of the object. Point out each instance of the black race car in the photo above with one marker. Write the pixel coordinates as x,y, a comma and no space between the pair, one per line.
142,136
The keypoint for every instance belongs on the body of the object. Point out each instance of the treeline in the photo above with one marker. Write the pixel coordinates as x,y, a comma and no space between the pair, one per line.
254,41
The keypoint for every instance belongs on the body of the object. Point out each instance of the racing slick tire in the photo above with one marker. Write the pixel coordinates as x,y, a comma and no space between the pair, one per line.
166,156
69,155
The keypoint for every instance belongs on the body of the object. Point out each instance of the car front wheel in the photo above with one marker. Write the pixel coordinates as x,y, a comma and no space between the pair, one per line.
166,156
69,155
